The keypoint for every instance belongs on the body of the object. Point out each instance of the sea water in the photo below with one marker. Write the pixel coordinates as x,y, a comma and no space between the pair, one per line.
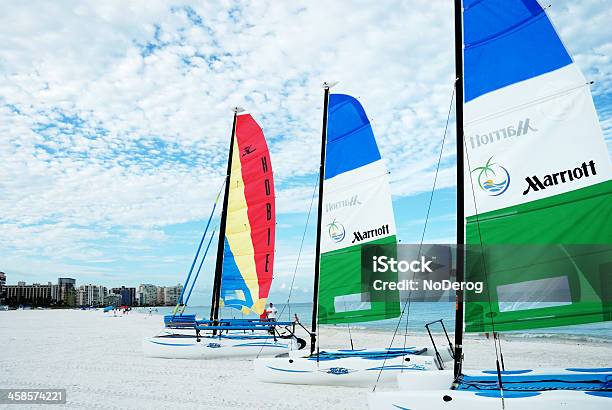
413,320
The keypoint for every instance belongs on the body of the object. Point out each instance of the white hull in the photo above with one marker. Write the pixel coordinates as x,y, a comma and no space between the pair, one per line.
430,391
209,347
348,371
439,399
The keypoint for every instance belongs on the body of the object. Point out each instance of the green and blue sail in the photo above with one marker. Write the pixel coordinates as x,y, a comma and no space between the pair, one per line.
357,212
531,128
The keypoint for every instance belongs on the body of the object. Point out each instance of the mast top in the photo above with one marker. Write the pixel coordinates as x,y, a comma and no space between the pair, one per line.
327,85
237,109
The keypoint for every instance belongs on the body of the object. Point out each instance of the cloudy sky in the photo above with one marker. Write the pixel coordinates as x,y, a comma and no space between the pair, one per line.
115,121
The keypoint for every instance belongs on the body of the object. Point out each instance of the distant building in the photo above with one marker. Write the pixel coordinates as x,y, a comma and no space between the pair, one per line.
128,295
171,294
161,301
147,295
2,287
91,295
112,299
66,292
54,293
34,294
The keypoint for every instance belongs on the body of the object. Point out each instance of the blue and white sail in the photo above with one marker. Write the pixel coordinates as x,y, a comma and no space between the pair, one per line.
528,109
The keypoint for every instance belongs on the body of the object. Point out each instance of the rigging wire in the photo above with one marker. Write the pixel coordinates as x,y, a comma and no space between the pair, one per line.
348,325
297,262
496,340
195,259
407,304
212,235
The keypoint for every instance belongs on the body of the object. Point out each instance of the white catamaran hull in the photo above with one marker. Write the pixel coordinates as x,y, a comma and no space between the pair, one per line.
344,371
430,390
452,399
209,347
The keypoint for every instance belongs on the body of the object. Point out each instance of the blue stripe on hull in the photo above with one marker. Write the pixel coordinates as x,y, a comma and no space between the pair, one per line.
261,345
495,394
171,344
288,370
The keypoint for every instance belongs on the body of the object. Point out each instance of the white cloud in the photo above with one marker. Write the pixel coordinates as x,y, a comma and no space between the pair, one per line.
114,116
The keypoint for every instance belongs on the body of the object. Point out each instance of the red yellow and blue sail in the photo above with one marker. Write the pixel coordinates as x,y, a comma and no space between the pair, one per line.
248,258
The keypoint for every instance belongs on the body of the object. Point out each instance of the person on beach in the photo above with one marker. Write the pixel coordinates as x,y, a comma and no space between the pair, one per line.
271,312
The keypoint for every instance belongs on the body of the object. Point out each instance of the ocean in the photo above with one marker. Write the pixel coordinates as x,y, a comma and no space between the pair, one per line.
420,314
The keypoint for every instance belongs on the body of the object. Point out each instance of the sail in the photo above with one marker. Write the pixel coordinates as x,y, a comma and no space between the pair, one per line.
357,211
537,172
248,258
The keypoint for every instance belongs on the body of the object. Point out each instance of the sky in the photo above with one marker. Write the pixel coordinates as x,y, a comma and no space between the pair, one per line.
115,122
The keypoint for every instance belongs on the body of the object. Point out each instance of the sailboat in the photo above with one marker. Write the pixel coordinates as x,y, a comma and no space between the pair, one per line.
354,211
538,193
244,264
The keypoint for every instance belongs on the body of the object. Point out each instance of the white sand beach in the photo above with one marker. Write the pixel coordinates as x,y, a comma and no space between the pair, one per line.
98,359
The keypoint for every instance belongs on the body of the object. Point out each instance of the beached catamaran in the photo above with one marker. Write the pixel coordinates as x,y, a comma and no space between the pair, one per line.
354,211
538,194
244,264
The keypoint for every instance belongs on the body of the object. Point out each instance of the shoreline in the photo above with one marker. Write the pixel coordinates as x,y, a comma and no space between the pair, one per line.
535,336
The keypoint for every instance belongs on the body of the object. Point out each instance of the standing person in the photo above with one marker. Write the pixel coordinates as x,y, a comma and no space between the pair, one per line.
271,312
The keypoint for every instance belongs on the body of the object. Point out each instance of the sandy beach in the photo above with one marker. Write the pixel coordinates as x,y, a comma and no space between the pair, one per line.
98,359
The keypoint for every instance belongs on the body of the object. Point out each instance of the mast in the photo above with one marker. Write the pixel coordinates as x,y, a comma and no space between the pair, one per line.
315,297
216,294
460,273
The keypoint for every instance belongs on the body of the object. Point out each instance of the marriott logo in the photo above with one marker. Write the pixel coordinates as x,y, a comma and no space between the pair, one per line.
359,236
345,203
523,127
536,184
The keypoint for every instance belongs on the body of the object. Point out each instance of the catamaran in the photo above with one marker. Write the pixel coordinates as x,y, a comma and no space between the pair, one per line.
354,211
244,264
539,205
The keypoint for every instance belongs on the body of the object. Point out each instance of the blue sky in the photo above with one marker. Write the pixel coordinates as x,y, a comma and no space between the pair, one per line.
115,119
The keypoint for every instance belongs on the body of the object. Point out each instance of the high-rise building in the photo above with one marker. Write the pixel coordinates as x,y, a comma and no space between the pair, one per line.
91,295
171,294
161,301
112,299
66,293
34,294
128,295
147,295
54,292
2,287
